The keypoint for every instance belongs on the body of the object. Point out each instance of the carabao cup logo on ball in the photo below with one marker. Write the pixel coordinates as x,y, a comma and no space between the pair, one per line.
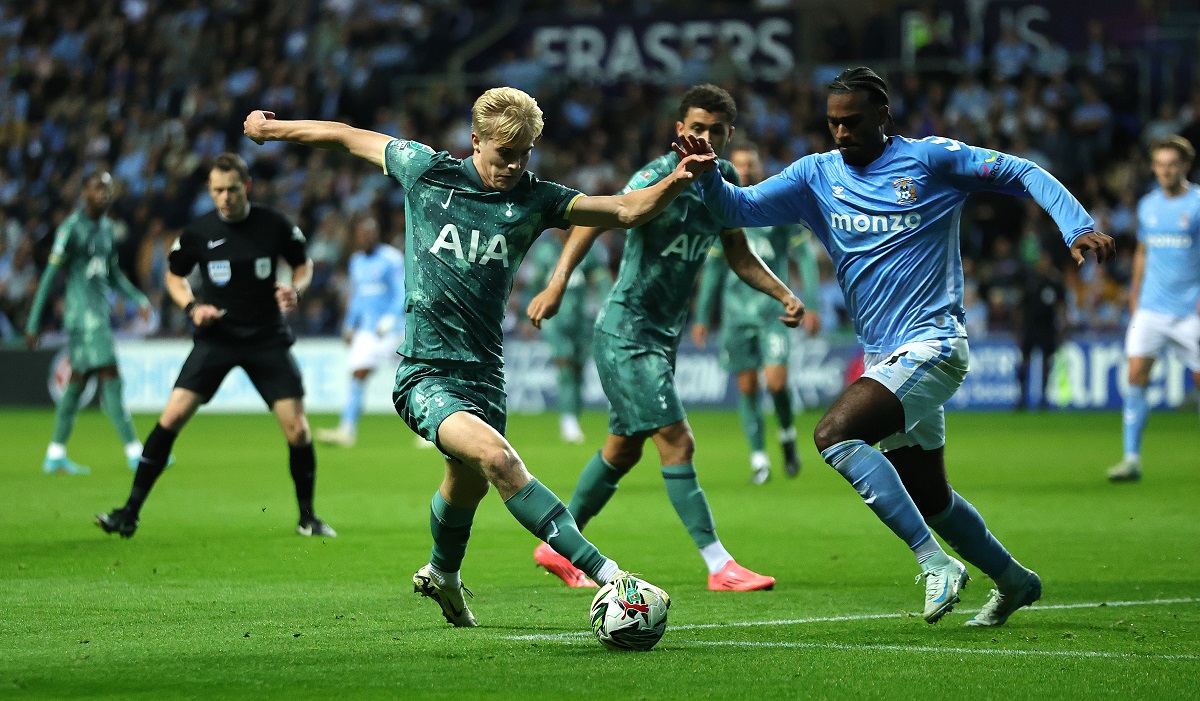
629,614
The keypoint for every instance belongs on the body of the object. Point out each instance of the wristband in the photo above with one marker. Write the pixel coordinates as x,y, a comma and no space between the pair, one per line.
187,308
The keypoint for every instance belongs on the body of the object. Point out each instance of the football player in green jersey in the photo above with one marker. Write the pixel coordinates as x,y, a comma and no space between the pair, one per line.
83,247
751,338
469,223
569,333
638,333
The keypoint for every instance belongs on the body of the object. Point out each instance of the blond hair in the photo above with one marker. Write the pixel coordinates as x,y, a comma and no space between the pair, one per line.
1180,145
507,116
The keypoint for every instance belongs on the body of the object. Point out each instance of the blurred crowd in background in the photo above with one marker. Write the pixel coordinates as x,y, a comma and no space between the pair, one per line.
153,90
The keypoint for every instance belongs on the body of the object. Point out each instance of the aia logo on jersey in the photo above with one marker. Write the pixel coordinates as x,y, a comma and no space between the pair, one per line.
906,190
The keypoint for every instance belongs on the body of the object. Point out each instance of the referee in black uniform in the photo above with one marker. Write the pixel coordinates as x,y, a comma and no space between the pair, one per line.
239,322
1041,319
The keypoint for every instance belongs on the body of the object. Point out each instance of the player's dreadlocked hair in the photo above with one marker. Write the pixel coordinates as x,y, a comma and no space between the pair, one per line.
507,116
861,79
709,98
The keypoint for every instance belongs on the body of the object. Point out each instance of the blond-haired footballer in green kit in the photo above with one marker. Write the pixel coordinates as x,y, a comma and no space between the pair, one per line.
469,223
83,247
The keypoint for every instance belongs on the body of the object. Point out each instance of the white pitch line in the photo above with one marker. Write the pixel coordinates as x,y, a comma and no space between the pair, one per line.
926,648
858,617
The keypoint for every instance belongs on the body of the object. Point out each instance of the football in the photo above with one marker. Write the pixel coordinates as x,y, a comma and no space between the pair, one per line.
629,614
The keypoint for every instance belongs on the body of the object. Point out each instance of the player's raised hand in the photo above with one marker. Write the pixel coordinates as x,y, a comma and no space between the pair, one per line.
256,124
1102,244
793,311
543,306
286,296
696,156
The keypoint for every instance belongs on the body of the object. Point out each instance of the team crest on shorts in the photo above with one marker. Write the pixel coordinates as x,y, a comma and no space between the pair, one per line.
219,271
906,190
262,268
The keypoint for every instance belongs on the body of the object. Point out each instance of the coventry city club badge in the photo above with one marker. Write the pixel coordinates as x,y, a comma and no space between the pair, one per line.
262,268
906,190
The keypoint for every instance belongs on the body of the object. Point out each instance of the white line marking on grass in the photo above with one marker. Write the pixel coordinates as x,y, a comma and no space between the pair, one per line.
862,617
926,648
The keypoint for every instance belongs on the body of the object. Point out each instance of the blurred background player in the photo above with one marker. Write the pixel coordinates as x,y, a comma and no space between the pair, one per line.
887,210
1165,291
1041,319
637,337
752,339
569,333
83,246
374,323
470,223
239,319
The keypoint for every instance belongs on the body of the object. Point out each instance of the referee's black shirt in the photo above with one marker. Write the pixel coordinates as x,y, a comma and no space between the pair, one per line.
237,267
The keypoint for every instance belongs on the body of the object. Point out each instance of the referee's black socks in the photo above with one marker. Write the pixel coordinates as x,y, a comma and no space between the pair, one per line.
155,453
303,462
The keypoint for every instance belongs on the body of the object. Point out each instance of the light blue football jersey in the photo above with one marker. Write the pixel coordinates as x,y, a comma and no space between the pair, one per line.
1169,231
891,227
376,289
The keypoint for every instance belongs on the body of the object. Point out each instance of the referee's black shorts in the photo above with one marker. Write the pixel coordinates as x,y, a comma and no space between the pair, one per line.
1045,340
269,365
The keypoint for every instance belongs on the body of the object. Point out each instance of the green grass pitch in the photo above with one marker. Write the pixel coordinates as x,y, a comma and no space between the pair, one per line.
215,597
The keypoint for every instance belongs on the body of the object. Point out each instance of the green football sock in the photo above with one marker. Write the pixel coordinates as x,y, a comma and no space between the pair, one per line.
451,528
112,402
542,514
783,407
690,503
596,485
569,390
750,412
64,415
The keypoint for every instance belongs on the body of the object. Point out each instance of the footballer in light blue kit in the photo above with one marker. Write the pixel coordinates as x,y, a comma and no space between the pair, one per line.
887,209
1165,295
374,323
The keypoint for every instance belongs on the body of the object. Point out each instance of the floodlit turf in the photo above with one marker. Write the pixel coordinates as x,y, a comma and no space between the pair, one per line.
215,597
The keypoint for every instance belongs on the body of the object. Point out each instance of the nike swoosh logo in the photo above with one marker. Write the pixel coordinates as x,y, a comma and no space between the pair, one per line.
446,204
214,244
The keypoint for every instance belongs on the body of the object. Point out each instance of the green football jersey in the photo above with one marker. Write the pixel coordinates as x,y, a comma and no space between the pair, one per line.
742,305
592,269
464,245
649,302
85,250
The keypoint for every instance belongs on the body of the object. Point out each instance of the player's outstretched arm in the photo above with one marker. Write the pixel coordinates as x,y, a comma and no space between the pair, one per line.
261,126
637,207
1139,272
545,303
754,272
32,326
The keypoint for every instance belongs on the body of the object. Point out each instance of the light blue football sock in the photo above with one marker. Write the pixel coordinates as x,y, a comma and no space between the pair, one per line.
354,404
876,481
1134,419
963,529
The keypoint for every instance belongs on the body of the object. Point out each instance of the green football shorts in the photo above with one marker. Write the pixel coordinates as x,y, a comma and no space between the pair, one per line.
426,393
754,347
639,381
91,348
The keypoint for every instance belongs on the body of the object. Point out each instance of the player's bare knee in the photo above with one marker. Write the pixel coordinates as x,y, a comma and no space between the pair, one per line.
500,462
829,431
